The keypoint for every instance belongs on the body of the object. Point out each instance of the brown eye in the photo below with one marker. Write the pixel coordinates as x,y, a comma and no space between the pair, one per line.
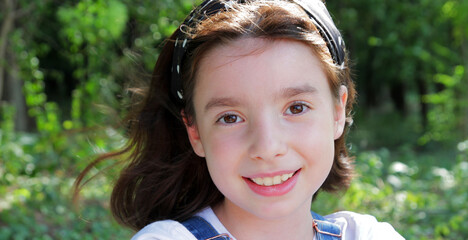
296,109
229,119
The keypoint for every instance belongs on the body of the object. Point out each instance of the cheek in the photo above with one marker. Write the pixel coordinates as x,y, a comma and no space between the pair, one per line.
223,151
224,157
318,151
316,141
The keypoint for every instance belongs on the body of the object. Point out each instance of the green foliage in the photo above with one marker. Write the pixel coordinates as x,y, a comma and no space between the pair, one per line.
37,209
403,56
36,175
89,32
446,107
37,168
421,201
93,21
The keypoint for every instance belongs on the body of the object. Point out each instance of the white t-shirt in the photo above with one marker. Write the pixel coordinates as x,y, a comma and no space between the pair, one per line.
354,226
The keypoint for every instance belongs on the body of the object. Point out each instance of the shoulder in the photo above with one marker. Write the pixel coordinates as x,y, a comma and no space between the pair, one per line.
361,226
211,218
164,230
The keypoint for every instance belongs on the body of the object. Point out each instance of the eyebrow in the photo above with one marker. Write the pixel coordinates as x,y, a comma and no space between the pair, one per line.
284,93
221,102
294,91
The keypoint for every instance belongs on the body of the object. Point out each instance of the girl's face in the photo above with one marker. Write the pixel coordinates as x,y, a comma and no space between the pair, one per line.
266,122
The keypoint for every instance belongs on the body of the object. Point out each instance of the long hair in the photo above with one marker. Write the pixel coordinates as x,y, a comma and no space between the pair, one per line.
163,177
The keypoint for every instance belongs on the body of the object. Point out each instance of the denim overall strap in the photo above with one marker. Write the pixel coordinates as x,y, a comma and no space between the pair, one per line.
325,230
202,229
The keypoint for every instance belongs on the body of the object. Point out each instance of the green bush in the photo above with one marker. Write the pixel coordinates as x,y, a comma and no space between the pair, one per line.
420,195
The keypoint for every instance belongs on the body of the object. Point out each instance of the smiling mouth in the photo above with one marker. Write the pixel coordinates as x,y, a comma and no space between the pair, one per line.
271,181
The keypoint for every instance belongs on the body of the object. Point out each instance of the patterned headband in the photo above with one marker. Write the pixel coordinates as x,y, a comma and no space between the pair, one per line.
314,8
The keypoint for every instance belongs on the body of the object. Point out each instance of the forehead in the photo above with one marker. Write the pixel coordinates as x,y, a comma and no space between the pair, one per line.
228,53
256,66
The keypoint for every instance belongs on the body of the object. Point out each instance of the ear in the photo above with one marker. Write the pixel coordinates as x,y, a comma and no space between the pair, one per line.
340,112
194,136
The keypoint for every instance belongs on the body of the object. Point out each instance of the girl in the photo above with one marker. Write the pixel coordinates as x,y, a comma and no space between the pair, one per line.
243,124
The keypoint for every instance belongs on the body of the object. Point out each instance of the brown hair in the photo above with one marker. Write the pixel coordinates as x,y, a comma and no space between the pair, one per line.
164,178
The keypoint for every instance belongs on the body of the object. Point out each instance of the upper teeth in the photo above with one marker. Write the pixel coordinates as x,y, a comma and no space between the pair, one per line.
268,181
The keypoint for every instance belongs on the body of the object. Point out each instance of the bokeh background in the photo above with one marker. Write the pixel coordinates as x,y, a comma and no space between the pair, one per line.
64,71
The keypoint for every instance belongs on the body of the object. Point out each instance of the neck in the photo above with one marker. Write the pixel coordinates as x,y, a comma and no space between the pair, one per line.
244,225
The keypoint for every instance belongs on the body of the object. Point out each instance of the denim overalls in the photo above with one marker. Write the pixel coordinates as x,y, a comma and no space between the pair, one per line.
203,230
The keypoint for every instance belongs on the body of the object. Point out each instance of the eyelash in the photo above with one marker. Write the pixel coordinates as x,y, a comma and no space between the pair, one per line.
303,104
239,119
220,119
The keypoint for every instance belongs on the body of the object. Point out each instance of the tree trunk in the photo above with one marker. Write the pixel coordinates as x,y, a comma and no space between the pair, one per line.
11,85
397,93
464,51
369,85
7,25
14,94
422,90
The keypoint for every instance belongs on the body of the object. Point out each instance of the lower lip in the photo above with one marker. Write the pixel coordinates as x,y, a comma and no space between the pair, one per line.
274,190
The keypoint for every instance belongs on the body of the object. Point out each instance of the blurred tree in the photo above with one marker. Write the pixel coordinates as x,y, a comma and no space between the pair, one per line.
11,83
400,46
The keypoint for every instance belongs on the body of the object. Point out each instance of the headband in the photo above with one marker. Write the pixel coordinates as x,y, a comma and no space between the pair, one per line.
315,9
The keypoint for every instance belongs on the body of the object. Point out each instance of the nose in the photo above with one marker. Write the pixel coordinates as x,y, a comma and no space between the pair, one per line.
268,140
